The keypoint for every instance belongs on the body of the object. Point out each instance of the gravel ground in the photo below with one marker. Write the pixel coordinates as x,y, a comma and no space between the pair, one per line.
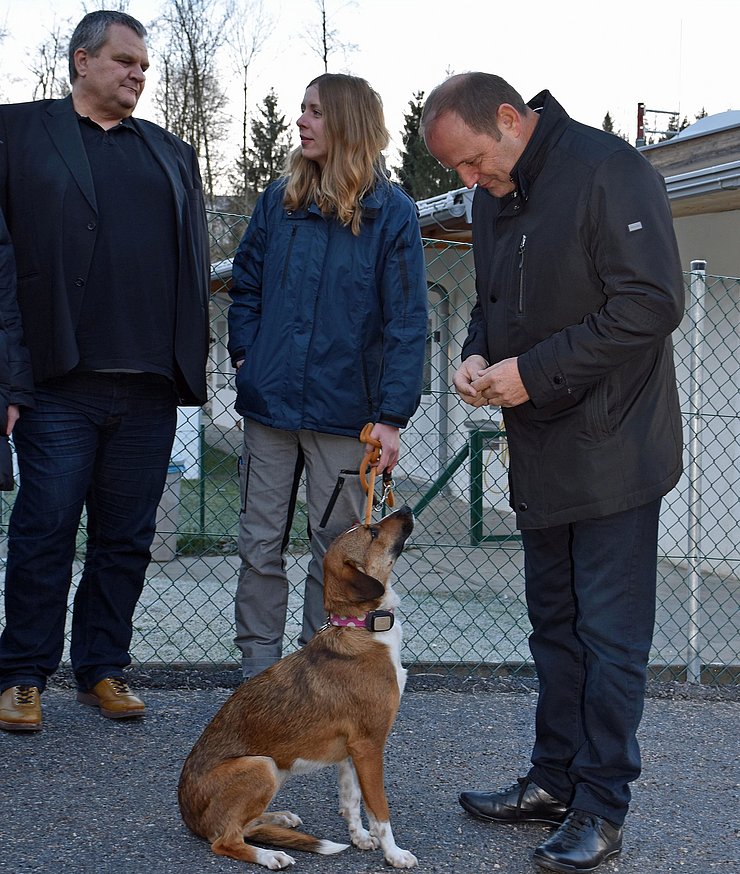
90,795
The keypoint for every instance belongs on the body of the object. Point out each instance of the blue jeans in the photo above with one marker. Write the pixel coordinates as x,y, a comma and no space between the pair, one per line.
97,441
591,598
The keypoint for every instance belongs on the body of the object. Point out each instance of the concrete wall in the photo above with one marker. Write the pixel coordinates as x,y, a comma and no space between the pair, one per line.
713,237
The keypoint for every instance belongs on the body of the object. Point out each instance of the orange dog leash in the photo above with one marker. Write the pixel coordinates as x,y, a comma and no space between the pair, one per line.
368,485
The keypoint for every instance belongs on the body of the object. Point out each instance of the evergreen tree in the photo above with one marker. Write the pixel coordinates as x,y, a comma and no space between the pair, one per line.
672,128
270,145
420,174
608,125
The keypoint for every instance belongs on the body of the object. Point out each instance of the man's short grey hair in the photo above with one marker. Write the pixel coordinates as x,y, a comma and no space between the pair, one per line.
475,99
91,33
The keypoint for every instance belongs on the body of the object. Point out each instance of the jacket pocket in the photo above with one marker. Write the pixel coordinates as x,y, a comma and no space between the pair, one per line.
288,254
347,479
368,391
243,473
600,421
520,276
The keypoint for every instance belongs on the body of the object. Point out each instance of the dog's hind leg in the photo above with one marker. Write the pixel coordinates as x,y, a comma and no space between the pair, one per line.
236,793
350,797
274,860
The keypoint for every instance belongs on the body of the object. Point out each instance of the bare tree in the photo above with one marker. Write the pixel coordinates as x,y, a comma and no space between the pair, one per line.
324,39
3,34
49,69
120,6
252,28
190,97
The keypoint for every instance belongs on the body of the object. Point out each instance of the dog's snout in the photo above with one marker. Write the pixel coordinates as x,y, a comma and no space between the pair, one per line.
406,515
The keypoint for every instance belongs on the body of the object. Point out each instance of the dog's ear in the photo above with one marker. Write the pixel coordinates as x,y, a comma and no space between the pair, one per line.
362,585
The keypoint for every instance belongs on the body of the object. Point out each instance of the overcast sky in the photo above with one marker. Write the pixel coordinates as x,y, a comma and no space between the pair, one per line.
670,54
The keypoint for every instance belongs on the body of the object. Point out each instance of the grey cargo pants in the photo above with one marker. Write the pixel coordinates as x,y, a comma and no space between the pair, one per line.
270,470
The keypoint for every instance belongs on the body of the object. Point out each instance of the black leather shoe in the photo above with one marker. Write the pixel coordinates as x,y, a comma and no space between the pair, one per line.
522,802
581,843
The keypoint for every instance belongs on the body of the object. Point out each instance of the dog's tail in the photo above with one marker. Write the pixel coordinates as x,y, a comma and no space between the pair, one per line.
289,838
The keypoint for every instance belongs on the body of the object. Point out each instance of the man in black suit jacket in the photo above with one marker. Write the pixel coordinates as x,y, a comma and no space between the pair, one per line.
107,218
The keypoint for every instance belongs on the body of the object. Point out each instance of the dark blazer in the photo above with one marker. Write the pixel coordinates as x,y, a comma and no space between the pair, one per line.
47,195
16,381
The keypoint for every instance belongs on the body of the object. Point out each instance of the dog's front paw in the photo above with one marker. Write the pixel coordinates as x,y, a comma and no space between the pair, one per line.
401,858
363,840
274,860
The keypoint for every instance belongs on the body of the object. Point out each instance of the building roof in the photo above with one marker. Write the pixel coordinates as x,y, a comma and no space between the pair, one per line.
710,124
447,216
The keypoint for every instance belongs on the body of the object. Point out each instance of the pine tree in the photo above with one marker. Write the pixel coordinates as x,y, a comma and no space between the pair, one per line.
267,156
608,124
270,145
420,174
672,128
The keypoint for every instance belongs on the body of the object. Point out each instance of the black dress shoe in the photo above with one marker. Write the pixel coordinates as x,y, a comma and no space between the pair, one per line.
525,801
581,844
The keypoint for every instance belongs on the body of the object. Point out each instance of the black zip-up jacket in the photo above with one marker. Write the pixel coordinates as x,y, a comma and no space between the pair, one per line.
579,278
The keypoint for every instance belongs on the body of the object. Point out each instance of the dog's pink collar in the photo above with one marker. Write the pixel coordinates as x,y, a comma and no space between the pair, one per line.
375,620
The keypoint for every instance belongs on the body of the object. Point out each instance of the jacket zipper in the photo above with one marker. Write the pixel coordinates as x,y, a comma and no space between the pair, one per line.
520,301
288,254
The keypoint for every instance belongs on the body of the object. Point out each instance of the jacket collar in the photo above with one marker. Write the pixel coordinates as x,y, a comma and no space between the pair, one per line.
549,129
371,203
63,125
64,129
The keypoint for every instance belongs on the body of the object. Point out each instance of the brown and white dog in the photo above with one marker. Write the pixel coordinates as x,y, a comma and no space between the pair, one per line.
332,702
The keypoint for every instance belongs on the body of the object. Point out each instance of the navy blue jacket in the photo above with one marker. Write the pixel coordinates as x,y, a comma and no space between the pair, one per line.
331,326
579,278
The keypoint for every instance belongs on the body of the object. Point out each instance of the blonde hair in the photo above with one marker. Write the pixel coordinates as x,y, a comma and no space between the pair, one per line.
356,135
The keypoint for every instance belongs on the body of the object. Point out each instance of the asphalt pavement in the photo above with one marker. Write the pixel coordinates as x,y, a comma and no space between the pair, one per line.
88,794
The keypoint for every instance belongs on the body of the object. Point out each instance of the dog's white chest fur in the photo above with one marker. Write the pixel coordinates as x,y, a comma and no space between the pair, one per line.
392,639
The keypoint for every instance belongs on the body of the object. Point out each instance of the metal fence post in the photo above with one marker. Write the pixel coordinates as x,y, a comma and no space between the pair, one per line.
697,312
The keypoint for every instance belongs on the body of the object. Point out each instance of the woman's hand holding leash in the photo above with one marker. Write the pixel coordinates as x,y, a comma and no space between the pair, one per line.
383,447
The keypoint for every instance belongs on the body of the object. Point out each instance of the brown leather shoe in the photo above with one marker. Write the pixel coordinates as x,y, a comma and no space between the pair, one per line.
20,709
114,698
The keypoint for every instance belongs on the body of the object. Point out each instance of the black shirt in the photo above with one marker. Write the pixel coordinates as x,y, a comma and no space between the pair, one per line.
128,314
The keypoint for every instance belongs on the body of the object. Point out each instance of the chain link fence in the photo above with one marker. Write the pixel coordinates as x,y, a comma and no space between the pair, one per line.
461,576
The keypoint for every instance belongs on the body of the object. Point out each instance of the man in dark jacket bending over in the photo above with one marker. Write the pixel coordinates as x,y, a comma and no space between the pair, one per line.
579,287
